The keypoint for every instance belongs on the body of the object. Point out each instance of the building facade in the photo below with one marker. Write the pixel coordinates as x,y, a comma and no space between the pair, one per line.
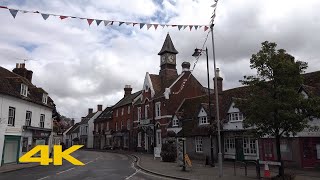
103,130
26,114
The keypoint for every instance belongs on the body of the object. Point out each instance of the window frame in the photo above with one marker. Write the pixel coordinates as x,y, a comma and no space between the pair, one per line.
158,109
107,126
44,98
202,121
28,119
235,117
229,145
198,144
42,120
122,111
175,122
139,114
146,110
11,118
128,109
249,148
128,124
24,90
139,139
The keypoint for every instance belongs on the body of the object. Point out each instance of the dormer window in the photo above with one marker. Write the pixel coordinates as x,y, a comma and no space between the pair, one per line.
236,116
203,120
175,122
45,98
24,90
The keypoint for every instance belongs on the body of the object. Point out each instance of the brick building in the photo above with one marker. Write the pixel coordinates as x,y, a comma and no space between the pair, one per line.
102,134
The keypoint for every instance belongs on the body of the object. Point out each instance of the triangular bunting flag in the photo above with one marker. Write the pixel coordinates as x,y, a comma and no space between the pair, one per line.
156,26
98,22
3,7
141,25
214,5
213,16
167,25
63,17
128,23
179,27
24,11
196,27
185,26
106,22
13,12
112,23
90,21
206,28
120,23
134,24
162,25
190,27
45,16
149,26
36,12
73,17
173,25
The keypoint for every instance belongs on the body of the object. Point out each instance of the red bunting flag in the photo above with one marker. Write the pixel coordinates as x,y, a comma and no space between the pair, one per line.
90,21
3,7
190,27
63,17
155,26
134,23
206,28
149,26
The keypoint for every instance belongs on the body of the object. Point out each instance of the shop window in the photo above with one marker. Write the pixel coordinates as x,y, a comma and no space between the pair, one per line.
229,145
198,142
249,146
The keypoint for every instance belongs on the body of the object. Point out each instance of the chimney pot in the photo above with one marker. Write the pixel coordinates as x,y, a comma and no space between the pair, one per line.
17,65
127,90
99,107
219,81
185,66
90,110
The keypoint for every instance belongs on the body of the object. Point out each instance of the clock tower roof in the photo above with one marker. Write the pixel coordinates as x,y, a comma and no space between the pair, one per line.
168,46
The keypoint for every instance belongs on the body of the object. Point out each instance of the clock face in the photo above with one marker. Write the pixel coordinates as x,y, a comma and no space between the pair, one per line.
171,58
163,59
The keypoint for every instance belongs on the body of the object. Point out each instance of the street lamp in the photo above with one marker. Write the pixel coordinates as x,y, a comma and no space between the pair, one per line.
197,53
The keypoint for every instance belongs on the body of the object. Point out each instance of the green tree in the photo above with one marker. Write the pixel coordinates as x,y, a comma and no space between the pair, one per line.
274,106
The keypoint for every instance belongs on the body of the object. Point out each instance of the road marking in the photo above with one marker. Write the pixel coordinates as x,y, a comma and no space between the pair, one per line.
89,162
133,174
43,178
65,171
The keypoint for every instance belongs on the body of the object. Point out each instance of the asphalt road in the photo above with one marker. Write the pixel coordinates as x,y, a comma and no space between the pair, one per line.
99,165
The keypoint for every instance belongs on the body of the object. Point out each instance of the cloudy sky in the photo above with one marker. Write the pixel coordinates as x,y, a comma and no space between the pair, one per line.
82,66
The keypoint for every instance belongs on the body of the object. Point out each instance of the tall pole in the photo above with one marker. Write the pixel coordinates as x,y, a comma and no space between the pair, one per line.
217,104
210,115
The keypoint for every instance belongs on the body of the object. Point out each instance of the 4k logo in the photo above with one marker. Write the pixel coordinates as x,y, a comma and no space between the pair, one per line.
58,155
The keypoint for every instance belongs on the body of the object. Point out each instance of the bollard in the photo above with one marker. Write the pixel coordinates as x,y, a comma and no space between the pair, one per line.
258,169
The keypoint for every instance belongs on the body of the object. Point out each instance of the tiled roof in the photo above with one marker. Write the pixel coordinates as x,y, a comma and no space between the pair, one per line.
168,46
127,100
11,85
74,129
85,120
105,115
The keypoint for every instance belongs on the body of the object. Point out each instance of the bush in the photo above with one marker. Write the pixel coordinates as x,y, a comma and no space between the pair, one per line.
168,152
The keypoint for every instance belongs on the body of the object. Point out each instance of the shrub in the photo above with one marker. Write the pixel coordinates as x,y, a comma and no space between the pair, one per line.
168,152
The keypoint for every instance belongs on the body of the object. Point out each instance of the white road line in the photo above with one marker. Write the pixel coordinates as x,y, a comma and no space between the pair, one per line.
89,162
65,170
43,178
133,174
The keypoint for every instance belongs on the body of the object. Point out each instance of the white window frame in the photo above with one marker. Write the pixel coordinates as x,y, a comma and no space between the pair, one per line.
28,118
235,116
175,122
249,146
139,139
122,111
146,109
107,126
203,120
42,119
44,98
11,116
121,123
159,138
199,144
116,126
128,124
128,109
229,145
24,90
139,114
117,113
158,109
318,150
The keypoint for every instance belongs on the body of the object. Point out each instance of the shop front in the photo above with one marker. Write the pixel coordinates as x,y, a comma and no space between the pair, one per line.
11,149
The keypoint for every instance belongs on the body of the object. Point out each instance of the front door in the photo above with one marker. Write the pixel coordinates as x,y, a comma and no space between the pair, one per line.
268,150
239,149
309,151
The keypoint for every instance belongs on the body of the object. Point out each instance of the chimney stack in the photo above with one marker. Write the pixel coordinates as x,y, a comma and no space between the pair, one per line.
72,122
90,110
22,71
219,81
127,90
185,66
99,107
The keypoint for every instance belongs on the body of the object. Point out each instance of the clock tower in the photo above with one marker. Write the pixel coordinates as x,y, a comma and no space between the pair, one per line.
168,62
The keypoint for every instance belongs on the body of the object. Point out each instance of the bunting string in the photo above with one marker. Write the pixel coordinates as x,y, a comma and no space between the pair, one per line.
141,25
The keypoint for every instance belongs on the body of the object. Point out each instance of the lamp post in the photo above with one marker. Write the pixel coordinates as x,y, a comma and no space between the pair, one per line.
197,52
217,103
